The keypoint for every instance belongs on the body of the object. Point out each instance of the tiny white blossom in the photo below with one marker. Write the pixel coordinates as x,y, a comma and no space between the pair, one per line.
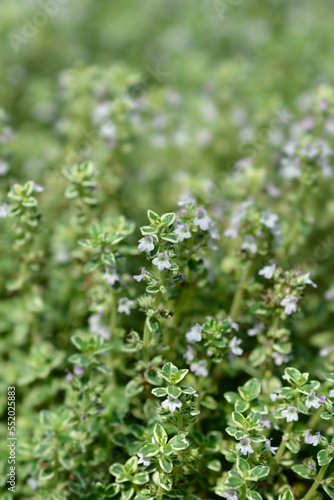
202,220
268,271
310,439
38,188
234,325
171,404
270,448
230,495
279,358
232,232
189,354
269,220
234,346
124,305
111,276
265,422
194,334
214,234
289,304
258,328
200,368
186,199
326,350
33,483
307,281
312,401
331,393
4,167
97,328
183,232
274,395
329,294
162,261
145,461
249,244
245,446
139,277
146,244
290,414
4,210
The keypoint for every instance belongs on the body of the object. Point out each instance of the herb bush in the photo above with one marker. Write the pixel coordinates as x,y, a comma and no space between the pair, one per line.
166,250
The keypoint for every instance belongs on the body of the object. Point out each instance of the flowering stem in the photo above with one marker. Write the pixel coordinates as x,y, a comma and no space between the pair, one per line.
315,417
280,452
316,483
236,304
146,335
113,313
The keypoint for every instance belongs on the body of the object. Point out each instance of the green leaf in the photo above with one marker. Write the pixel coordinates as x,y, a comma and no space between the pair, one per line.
133,388
173,391
79,342
302,471
131,465
149,450
117,469
253,495
330,377
166,464
109,259
152,217
250,390
171,237
160,434
259,473
165,482
167,219
179,443
214,465
324,457
147,230
329,490
242,465
180,375
239,419
141,478
287,495
167,450
169,370
233,480
159,392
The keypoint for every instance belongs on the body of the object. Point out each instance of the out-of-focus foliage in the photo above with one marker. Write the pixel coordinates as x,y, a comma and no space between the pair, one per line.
203,130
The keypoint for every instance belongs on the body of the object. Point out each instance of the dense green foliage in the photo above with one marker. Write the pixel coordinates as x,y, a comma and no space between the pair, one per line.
166,245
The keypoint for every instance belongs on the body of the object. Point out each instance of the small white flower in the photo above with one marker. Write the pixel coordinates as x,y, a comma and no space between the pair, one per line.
97,328
312,401
183,232
162,261
4,167
279,358
275,395
289,304
265,422
245,446
124,305
290,414
305,279
145,461
214,234
326,350
111,276
232,232
171,404
202,220
258,328
310,439
269,220
186,199
234,325
268,271
146,244
270,448
331,393
4,210
329,294
230,495
33,483
38,188
200,368
194,334
234,346
249,244
189,354
139,277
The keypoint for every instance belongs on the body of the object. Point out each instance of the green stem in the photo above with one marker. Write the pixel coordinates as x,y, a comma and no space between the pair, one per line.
237,300
316,483
282,446
146,334
179,421
113,313
315,417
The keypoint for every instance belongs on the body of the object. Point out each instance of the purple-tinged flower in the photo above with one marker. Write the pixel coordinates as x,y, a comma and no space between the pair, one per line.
202,220
290,414
234,346
194,334
268,271
69,376
310,466
312,401
146,244
265,422
249,244
245,446
124,305
289,304
171,404
83,418
322,399
200,368
139,277
162,261
79,370
32,483
230,494
314,440
270,448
